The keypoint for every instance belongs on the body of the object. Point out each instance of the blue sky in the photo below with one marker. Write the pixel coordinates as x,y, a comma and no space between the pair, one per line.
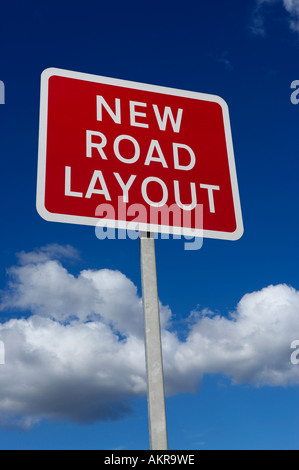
68,383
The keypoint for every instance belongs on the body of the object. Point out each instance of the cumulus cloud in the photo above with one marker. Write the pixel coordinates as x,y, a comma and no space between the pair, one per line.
45,253
80,371
43,286
79,354
258,16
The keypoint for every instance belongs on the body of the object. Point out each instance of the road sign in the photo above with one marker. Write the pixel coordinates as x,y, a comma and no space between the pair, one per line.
136,156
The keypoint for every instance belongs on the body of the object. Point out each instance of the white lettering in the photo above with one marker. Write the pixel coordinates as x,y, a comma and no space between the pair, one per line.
115,460
117,152
162,122
134,113
116,116
67,185
210,189
177,165
150,158
98,146
98,176
185,207
125,187
144,191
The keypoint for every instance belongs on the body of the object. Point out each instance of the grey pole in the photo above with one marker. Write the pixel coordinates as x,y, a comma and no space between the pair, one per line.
153,348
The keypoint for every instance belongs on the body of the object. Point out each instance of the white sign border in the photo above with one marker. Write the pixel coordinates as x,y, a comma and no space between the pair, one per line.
94,221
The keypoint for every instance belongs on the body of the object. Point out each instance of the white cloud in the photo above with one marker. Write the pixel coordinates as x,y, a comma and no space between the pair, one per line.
258,16
80,354
292,6
257,19
223,58
45,253
253,344
81,372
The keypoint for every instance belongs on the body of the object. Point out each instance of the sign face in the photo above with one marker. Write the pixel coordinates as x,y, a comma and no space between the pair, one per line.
134,156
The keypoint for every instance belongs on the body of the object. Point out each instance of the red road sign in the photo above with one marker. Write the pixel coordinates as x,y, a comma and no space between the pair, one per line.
136,156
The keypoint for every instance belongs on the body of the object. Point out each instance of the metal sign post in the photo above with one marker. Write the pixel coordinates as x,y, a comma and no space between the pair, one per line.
153,348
